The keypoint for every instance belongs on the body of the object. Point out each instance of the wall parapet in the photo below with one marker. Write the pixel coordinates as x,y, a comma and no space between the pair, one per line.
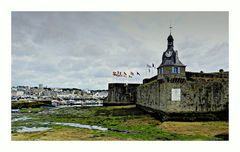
189,75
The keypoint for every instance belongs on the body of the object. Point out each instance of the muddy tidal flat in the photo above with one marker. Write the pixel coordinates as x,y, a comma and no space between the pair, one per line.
107,123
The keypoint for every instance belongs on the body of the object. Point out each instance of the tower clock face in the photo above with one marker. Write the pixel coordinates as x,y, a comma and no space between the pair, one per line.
168,54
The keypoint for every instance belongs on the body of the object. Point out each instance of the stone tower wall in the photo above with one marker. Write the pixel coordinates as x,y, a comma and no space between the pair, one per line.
167,72
121,94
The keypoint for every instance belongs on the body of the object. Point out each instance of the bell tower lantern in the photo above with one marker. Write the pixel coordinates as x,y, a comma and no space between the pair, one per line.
171,67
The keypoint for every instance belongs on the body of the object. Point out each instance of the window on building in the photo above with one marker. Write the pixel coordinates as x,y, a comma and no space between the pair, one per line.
175,69
161,71
179,70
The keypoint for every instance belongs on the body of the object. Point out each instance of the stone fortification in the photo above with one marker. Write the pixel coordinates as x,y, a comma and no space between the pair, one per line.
121,94
174,94
200,96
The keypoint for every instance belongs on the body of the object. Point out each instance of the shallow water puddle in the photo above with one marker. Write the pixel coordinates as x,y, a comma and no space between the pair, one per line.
77,125
90,127
21,119
32,129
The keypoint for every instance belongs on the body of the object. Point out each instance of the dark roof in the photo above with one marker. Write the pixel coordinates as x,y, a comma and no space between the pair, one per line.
170,37
170,62
173,60
177,62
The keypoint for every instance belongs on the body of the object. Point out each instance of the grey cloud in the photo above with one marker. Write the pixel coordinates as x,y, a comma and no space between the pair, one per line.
81,49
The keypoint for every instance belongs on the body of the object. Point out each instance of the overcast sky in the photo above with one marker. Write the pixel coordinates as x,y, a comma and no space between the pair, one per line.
82,49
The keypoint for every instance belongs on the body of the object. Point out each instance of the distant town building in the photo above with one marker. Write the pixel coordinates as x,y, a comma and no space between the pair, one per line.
17,93
40,86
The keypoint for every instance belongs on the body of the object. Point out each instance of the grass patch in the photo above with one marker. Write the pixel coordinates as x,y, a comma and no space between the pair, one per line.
137,124
211,128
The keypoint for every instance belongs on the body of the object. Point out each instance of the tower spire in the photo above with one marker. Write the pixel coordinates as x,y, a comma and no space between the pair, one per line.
170,38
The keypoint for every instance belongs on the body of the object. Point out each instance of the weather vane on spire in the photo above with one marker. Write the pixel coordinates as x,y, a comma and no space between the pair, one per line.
170,27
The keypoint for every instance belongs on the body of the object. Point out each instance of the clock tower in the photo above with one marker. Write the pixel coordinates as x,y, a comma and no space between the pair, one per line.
171,68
